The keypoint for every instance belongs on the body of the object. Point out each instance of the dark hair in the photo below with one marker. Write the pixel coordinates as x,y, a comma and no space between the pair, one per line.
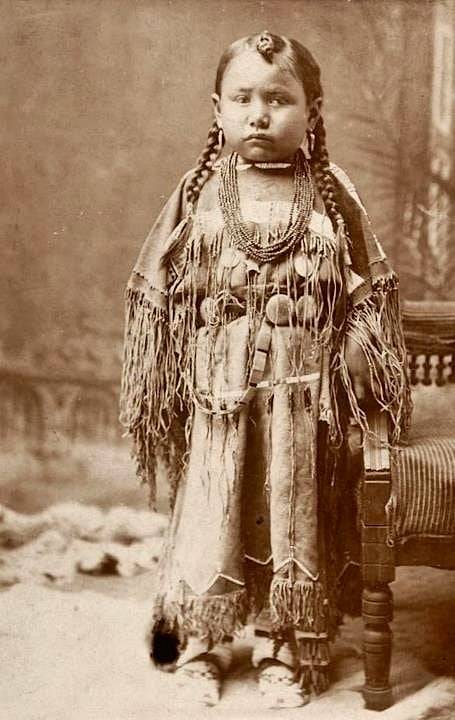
298,60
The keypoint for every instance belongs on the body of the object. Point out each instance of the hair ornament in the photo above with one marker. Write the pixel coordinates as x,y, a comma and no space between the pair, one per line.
265,45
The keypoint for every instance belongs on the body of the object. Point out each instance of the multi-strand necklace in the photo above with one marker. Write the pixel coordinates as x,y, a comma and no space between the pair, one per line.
248,238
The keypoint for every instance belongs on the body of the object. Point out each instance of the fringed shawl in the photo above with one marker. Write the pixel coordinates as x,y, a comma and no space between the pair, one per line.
155,407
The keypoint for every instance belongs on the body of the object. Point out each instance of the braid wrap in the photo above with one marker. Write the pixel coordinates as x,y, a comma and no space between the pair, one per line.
205,164
320,167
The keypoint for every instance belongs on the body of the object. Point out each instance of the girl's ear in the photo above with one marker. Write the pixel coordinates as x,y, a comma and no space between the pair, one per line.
216,108
314,112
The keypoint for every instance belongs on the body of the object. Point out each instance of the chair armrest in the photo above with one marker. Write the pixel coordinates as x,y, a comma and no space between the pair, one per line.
429,327
377,556
376,446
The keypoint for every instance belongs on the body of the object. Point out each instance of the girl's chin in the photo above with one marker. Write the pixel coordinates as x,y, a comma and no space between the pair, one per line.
260,154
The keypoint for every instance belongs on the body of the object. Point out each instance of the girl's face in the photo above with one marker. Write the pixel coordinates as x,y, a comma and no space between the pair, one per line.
262,109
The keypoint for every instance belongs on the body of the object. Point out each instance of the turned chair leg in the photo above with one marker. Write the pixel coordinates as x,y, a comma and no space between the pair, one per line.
377,611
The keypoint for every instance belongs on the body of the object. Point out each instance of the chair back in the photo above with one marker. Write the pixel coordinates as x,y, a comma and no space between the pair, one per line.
429,328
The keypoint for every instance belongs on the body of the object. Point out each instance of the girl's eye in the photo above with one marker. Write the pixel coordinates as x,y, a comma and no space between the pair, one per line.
277,100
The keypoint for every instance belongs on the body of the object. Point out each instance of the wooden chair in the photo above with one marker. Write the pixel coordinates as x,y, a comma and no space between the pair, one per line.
407,512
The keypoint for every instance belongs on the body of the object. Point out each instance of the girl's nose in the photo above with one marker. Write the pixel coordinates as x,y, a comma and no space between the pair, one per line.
259,117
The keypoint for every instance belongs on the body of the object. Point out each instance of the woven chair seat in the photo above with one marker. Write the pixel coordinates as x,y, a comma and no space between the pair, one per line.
423,482
423,472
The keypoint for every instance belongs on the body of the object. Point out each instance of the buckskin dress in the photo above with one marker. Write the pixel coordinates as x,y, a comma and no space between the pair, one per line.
234,375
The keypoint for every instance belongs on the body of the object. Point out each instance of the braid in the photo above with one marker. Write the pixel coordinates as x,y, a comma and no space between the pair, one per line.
205,164
320,167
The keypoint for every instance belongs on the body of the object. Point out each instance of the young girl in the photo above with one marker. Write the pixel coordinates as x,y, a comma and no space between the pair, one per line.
260,315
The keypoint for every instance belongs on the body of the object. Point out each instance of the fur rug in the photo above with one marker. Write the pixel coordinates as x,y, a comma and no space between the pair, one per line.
52,546
80,655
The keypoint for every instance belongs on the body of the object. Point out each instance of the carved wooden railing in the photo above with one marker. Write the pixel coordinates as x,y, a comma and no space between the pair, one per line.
44,414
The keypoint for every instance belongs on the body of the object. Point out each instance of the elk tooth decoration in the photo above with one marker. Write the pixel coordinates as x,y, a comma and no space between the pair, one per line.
304,265
279,309
324,270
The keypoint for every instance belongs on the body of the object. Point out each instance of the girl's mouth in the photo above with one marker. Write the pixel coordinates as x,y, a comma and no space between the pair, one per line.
259,137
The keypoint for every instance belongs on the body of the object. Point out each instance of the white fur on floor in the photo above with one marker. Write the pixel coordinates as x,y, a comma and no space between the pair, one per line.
81,656
69,538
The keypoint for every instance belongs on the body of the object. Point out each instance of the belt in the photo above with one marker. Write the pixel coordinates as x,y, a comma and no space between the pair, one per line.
274,315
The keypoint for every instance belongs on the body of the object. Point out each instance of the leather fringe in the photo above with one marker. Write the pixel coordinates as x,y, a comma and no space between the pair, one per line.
300,604
149,380
376,326
207,616
314,660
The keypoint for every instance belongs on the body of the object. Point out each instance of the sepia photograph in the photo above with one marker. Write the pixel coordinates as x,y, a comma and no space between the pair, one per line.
227,381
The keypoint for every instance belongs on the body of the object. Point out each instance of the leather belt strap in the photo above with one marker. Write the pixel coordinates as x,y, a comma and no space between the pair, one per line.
255,381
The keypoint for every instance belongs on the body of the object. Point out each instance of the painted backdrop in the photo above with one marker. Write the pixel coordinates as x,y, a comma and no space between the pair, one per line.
104,106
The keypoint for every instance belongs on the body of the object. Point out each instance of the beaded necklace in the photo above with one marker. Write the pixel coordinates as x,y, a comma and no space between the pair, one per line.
247,236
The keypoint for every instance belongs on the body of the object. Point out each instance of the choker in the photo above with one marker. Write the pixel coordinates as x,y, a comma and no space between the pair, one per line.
265,165
261,165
